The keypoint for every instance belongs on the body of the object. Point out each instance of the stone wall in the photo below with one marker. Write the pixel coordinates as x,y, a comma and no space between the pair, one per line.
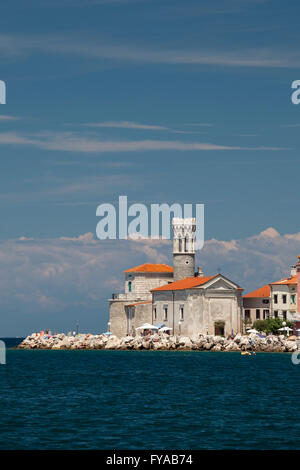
184,265
139,314
117,318
201,309
142,283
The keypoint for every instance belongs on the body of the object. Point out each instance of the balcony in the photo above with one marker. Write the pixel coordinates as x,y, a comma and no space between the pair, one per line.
132,296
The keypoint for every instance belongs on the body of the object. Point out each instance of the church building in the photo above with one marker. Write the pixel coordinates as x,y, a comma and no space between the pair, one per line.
187,302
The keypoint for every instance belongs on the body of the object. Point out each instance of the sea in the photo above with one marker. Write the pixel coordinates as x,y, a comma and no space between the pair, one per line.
148,400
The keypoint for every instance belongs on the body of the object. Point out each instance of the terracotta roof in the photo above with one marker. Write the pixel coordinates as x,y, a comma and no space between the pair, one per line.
140,303
287,280
150,268
187,283
266,290
261,292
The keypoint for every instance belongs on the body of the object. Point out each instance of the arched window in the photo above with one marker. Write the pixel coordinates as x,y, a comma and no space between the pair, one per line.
129,286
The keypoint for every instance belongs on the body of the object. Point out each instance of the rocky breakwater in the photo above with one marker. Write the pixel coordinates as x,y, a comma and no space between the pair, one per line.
161,341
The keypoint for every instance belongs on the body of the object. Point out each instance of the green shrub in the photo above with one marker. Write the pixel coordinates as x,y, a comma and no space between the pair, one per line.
271,325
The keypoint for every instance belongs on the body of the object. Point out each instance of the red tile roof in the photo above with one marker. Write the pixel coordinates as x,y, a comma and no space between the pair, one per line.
150,268
266,290
287,280
187,283
261,292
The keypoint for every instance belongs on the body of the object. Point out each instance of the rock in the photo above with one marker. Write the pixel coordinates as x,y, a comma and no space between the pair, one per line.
184,342
161,341
237,338
290,346
112,343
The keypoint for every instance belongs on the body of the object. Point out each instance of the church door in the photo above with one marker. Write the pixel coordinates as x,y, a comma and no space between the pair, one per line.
219,328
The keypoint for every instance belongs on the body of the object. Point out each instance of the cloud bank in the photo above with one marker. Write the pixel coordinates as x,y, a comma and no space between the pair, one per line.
23,46
71,142
55,282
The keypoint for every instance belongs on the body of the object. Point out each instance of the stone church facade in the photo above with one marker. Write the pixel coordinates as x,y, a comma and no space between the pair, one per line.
132,308
188,303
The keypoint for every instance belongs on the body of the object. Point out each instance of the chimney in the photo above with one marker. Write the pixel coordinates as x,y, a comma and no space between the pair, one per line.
200,272
293,271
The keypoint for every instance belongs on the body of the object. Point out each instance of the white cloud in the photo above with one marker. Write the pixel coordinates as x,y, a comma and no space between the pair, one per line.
188,132
252,261
127,125
269,233
8,118
85,238
71,142
18,46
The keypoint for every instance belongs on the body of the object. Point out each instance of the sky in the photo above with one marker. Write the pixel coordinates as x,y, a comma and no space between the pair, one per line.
163,101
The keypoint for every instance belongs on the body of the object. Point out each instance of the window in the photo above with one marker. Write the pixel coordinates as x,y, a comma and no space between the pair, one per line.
275,299
276,313
293,298
265,301
265,314
257,314
284,314
284,298
154,312
129,286
247,314
181,312
165,312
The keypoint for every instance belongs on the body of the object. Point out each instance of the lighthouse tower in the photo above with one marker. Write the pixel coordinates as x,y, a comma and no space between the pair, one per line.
184,247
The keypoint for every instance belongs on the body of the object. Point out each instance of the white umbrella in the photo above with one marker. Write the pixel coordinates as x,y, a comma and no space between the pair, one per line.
165,328
252,330
286,328
147,326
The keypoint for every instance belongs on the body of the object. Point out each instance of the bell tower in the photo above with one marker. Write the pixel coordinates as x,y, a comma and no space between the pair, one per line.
183,247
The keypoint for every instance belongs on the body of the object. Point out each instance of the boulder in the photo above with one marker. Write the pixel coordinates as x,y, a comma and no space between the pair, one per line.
112,342
184,342
216,347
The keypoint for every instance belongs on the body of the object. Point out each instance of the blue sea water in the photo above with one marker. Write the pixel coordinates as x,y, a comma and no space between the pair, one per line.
12,342
148,400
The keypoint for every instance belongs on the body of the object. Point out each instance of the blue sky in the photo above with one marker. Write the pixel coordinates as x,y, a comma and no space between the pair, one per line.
163,101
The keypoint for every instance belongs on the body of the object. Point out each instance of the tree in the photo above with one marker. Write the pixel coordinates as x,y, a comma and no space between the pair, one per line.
271,325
